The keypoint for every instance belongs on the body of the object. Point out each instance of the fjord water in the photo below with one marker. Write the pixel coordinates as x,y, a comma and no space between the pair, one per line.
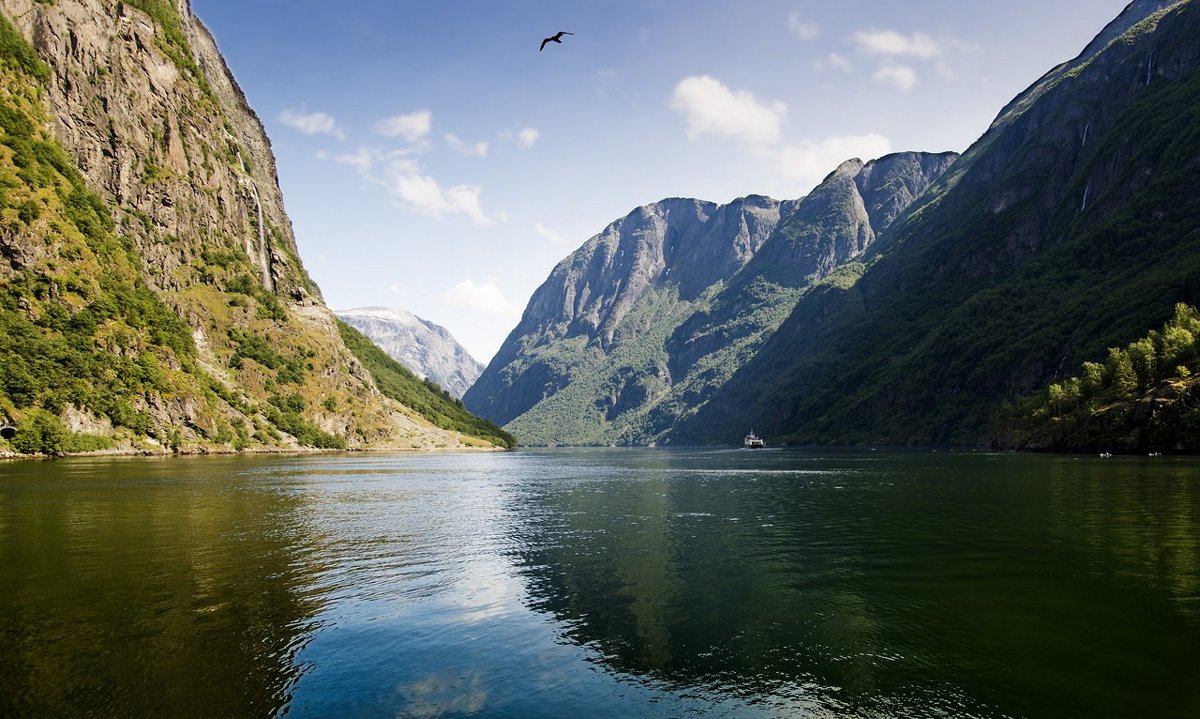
596,583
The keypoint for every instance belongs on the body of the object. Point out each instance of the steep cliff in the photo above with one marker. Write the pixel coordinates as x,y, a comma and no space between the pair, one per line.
1072,225
420,345
152,179
635,329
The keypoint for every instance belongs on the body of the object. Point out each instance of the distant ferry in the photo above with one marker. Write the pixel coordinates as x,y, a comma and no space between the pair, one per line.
753,441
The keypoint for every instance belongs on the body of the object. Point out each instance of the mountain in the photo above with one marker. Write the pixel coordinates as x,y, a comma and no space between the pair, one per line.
425,348
151,293
632,331
1070,226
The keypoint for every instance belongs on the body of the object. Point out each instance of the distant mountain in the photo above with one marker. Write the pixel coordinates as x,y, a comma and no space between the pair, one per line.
1070,226
633,331
426,348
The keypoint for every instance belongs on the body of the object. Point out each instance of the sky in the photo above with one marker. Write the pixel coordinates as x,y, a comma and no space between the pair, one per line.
432,159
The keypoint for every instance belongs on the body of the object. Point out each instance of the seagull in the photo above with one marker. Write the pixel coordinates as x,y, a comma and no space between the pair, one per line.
556,37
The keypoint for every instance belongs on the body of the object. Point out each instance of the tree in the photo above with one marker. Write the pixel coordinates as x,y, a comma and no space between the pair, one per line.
1120,367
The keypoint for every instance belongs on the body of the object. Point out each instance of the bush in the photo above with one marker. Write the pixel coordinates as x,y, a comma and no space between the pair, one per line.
41,433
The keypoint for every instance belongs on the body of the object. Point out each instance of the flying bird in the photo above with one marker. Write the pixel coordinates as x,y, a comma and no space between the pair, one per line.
556,37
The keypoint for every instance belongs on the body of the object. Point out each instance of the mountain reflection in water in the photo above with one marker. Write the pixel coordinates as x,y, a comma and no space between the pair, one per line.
150,587
597,583
881,585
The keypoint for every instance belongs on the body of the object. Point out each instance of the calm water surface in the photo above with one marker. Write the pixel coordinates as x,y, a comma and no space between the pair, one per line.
601,583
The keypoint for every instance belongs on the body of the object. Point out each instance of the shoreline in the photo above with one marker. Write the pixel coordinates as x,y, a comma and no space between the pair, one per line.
9,455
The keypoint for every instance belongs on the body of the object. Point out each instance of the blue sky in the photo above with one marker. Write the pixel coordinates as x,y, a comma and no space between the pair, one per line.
432,159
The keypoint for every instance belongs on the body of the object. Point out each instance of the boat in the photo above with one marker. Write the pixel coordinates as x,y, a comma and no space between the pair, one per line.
753,441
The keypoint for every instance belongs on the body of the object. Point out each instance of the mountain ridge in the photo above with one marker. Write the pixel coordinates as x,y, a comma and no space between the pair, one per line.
639,324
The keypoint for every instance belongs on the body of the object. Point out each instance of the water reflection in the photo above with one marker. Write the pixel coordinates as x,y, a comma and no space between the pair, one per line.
1140,515
912,586
601,583
149,588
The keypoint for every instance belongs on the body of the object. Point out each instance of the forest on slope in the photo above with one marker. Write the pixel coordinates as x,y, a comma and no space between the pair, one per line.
1144,397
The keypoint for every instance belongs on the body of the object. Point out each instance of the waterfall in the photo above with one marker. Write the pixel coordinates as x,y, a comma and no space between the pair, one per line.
262,239
263,262
1086,128
1086,190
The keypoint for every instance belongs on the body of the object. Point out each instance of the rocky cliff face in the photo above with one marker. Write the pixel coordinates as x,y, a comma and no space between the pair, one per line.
830,227
1070,226
637,327
675,247
426,348
155,125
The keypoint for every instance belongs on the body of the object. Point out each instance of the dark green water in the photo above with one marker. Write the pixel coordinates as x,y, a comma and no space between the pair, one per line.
598,583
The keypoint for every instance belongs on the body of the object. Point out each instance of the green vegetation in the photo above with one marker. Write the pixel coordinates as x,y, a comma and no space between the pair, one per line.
1145,397
85,341
599,397
172,38
666,357
18,54
78,326
288,370
426,398
269,306
285,413
43,433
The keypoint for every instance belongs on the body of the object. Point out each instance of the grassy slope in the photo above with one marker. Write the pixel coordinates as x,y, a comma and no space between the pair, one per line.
426,398
608,394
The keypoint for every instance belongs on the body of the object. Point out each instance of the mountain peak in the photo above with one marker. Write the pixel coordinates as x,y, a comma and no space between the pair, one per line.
666,301
426,348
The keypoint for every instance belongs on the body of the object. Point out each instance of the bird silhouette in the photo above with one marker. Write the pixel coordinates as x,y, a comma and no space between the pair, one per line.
556,37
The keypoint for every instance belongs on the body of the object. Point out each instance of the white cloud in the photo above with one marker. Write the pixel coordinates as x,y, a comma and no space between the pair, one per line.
484,297
833,61
412,127
892,43
401,175
479,148
712,108
423,194
811,161
801,29
548,234
527,136
312,123
837,62
361,160
902,77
